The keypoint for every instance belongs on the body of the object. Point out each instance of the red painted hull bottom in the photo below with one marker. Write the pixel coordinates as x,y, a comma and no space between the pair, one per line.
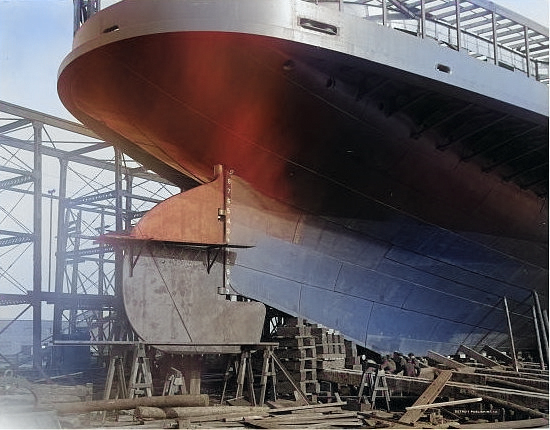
195,100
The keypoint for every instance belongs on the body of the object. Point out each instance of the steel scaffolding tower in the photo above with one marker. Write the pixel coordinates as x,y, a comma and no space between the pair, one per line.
92,189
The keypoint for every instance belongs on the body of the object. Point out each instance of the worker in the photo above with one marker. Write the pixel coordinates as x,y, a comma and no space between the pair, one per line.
415,363
409,369
388,365
399,361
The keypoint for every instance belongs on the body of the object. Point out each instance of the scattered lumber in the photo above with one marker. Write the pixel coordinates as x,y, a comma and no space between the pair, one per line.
119,404
519,424
429,395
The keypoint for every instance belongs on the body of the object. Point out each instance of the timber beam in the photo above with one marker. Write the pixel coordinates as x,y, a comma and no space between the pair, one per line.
499,355
477,356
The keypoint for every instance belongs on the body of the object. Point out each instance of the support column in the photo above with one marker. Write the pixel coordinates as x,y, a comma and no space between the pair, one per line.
457,15
119,222
537,334
37,248
542,325
527,55
192,371
423,18
61,247
495,44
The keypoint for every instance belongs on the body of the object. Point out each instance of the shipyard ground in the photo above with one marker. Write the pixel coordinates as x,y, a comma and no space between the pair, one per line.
318,378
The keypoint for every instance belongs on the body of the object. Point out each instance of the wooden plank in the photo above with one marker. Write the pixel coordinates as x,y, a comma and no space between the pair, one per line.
427,397
441,359
477,356
499,354
315,407
442,404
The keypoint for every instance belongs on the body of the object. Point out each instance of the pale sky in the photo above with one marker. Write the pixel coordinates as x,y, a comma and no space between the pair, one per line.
35,36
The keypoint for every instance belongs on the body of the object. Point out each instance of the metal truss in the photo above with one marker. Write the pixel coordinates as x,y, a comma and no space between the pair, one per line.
91,189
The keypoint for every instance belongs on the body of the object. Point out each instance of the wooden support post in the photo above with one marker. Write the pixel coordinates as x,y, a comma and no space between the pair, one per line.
116,370
242,374
231,365
268,369
427,397
537,335
141,380
250,373
192,372
512,346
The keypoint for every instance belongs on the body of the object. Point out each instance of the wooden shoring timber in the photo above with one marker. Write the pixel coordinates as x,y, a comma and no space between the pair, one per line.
119,404
477,356
427,397
200,411
499,354
537,386
452,364
521,374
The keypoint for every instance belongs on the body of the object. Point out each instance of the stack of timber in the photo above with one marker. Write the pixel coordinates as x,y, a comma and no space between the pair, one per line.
330,348
353,361
305,349
297,351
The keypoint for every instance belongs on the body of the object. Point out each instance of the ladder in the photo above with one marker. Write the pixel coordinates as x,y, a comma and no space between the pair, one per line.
380,385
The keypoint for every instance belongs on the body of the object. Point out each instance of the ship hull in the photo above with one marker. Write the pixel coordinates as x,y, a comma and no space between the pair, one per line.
400,245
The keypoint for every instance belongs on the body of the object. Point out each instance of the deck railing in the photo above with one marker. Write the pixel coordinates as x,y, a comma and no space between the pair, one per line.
481,28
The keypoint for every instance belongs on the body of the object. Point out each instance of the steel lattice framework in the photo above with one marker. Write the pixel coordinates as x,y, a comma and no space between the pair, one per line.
92,189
